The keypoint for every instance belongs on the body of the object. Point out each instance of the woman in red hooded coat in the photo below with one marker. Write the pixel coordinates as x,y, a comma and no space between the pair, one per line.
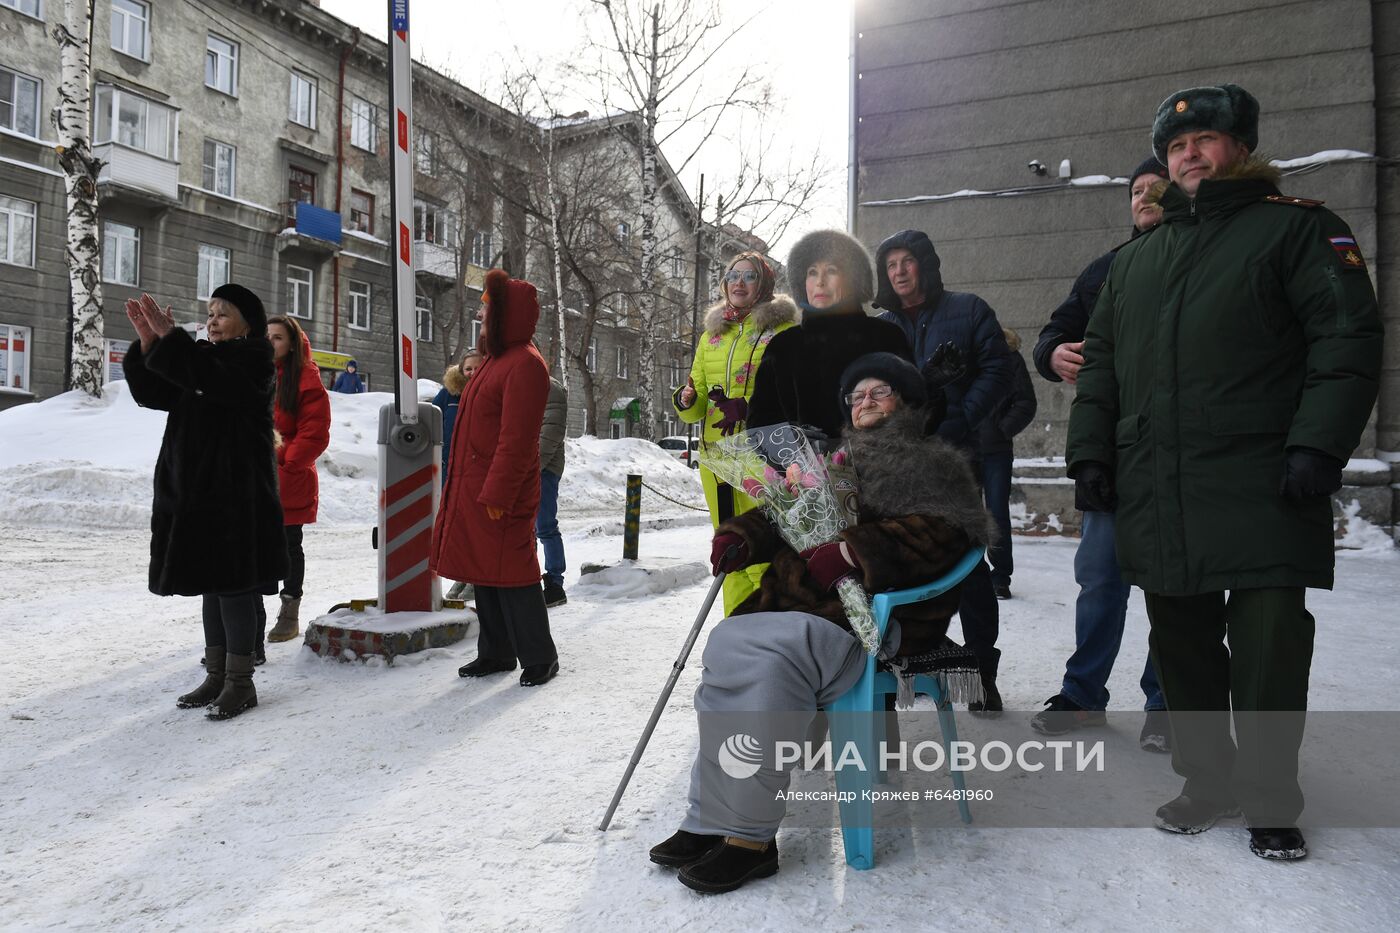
302,416
485,531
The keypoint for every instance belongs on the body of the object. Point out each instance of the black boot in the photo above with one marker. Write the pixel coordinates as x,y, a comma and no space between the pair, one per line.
208,691
536,674
730,865
483,666
991,698
683,848
1282,844
1188,817
238,693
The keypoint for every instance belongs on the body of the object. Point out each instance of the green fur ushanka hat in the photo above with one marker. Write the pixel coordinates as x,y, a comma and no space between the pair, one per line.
1227,108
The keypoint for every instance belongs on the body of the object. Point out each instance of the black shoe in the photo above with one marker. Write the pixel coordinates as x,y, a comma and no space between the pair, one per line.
1064,715
730,865
1002,590
990,704
1188,817
259,654
1281,845
536,674
554,595
1156,732
683,848
483,666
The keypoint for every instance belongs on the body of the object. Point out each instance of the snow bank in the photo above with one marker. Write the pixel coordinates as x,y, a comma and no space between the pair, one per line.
73,461
632,580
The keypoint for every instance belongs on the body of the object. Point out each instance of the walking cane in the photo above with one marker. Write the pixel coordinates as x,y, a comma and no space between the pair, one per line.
676,669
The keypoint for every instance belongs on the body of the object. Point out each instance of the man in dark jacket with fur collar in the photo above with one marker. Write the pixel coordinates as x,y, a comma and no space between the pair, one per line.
1230,367
911,292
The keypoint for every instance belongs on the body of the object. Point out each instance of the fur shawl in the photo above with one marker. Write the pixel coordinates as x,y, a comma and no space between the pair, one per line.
776,311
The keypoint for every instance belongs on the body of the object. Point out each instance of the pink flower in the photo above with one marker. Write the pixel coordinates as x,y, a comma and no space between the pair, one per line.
811,481
794,475
715,340
740,378
770,475
839,458
753,487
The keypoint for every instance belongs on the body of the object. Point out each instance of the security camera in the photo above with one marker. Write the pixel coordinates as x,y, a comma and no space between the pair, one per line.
1036,166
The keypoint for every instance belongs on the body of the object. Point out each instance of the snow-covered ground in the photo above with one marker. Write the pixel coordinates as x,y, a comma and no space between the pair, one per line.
361,797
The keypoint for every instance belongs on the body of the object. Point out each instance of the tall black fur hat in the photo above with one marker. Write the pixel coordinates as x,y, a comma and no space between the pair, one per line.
897,371
1227,108
248,304
840,249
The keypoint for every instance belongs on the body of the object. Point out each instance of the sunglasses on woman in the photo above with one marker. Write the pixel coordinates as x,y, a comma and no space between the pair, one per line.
735,277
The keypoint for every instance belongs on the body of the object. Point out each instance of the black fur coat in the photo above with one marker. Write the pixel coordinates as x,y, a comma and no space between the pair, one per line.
216,519
799,380
920,511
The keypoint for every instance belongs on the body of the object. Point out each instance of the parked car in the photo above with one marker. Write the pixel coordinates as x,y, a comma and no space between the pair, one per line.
676,445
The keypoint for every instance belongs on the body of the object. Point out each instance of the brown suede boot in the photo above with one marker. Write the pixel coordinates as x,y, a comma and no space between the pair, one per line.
208,691
238,693
288,625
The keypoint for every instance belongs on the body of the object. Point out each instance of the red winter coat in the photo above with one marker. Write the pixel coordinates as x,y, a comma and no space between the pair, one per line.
305,436
495,461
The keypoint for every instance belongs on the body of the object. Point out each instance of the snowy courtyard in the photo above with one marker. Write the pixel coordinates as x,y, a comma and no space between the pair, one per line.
371,797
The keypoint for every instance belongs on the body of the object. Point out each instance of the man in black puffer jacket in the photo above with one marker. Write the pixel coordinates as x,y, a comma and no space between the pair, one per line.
911,292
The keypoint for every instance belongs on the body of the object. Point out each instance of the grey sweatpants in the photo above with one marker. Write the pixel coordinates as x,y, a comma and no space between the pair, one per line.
785,665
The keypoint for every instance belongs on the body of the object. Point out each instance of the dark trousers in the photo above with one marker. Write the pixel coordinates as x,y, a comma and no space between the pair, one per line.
296,564
977,610
996,481
231,621
1251,652
514,625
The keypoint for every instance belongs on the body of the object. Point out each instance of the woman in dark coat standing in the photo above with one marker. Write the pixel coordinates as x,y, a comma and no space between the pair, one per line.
216,519
485,531
302,416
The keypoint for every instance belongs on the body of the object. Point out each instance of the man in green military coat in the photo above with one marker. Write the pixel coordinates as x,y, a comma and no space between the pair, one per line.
1230,367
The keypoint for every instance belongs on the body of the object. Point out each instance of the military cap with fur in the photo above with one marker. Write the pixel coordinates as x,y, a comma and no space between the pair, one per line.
1227,108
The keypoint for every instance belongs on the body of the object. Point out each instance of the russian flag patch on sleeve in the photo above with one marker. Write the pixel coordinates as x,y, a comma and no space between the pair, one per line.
1347,251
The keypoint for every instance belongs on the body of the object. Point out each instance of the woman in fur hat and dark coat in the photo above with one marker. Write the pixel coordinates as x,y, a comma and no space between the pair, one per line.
788,649
216,519
485,531
737,333
831,278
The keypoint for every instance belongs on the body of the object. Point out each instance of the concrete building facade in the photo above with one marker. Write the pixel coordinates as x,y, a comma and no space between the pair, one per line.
956,100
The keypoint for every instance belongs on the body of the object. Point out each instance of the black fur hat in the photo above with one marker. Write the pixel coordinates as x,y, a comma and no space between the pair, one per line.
840,249
897,371
1227,108
248,304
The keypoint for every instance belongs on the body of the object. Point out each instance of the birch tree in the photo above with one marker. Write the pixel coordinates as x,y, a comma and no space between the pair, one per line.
80,168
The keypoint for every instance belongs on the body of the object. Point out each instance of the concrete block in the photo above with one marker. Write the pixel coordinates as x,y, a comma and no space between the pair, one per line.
351,635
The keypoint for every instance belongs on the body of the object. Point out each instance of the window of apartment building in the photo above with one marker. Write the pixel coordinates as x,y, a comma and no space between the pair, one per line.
358,305
361,211
677,372
624,232
16,231
221,64
121,253
433,224
28,7
303,100
476,334
219,163
424,304
425,153
300,290
301,187
615,430
481,249
14,357
677,263
131,28
591,361
213,269
132,120
363,116
19,102
621,363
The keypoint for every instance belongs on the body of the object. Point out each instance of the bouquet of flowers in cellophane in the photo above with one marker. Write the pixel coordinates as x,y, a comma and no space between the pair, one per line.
809,498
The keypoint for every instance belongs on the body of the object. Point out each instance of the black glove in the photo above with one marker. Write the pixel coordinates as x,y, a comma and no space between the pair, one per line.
1309,473
946,366
1093,488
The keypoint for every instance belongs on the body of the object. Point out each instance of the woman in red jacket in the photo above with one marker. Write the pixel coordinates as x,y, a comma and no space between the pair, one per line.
302,415
485,531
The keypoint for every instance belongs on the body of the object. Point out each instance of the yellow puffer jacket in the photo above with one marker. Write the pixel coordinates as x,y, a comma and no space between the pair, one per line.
728,357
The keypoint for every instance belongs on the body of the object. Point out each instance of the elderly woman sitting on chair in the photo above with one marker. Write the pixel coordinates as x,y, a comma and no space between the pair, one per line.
788,648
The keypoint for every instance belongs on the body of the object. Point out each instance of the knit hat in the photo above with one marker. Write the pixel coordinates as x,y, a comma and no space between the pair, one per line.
766,278
895,370
250,306
841,250
352,363
1148,166
1227,108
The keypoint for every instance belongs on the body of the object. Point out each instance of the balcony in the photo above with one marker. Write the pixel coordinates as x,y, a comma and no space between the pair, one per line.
135,175
310,228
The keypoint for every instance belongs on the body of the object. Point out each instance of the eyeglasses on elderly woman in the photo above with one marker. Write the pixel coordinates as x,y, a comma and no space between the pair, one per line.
875,394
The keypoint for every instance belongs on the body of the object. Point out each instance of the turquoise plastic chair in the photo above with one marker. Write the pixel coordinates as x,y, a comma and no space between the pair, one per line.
866,729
